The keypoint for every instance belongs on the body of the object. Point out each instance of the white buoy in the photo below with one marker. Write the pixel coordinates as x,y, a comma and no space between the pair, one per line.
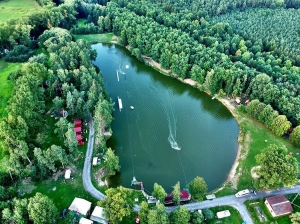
127,66
131,107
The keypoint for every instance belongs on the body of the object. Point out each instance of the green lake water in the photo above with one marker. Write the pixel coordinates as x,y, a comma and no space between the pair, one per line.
174,133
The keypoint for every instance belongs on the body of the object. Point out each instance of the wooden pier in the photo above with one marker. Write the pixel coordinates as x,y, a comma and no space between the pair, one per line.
150,199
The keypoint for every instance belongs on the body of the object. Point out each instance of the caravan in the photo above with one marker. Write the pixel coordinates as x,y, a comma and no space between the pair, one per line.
242,193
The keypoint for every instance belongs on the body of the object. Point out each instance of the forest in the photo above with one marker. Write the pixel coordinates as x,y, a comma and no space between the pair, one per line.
237,48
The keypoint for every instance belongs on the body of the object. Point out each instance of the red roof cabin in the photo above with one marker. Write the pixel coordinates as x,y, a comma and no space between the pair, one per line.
79,139
278,205
77,123
184,196
77,130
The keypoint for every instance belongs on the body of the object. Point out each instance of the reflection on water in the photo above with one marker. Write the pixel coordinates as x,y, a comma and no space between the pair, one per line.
174,133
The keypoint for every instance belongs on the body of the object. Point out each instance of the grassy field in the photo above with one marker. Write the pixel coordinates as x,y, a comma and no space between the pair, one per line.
234,217
16,9
97,38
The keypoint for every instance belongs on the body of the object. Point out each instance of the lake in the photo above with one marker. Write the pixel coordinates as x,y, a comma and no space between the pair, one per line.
166,131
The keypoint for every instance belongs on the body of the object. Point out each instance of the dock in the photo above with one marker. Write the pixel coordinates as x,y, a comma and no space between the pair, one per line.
150,199
120,104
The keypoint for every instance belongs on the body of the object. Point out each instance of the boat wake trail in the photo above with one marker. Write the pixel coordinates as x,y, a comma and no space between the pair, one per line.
168,108
173,142
172,124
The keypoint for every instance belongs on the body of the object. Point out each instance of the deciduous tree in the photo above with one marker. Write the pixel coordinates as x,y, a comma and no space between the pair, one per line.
295,136
116,204
277,168
159,192
198,188
176,193
280,125
143,213
111,161
295,218
158,215
41,209
180,215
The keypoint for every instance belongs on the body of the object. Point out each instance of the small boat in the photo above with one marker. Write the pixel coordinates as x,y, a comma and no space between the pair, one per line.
131,107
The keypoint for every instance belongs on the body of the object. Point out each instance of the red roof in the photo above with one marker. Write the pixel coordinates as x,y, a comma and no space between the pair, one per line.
77,129
77,122
184,196
79,137
280,205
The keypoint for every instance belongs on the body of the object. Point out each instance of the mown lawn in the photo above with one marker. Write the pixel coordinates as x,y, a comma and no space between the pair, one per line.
16,9
234,217
259,137
255,138
97,38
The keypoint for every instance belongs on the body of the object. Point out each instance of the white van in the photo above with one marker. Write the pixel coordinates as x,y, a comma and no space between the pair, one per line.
242,193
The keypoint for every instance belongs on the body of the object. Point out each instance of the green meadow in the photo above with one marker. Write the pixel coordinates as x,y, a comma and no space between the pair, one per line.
16,9
97,38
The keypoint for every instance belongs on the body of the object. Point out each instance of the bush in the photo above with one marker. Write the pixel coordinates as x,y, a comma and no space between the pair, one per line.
208,214
20,53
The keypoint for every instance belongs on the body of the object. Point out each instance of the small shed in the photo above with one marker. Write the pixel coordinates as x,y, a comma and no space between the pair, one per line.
278,205
223,214
98,215
85,221
81,206
67,174
95,161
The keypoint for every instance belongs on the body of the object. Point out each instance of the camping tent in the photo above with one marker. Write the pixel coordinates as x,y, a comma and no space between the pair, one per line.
68,174
98,215
81,206
85,221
